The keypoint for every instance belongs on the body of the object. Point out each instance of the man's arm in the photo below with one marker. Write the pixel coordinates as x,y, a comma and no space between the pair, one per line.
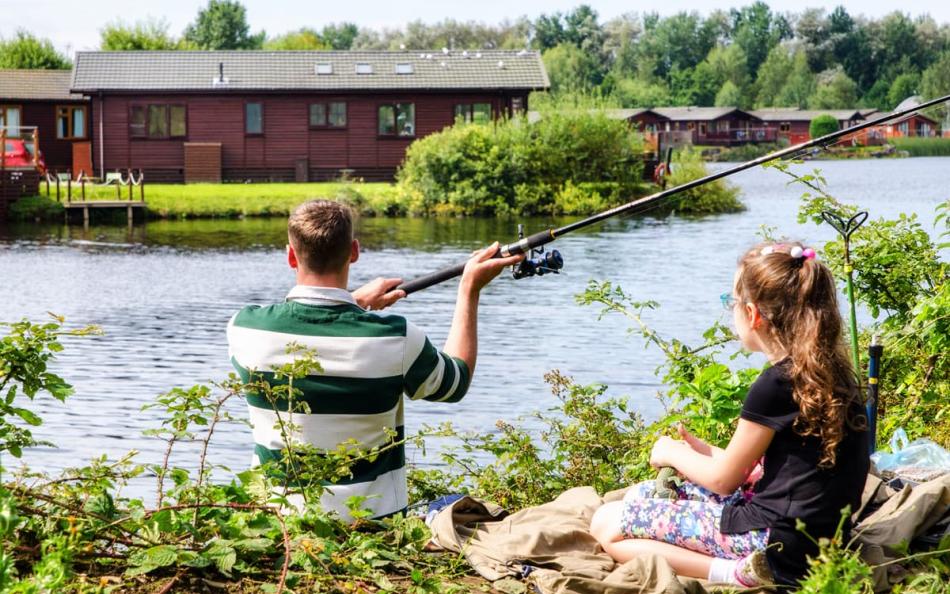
480,269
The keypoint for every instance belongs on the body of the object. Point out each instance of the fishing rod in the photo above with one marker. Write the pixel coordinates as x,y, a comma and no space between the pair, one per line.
540,263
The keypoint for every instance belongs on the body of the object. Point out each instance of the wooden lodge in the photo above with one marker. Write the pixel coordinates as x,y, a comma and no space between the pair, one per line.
41,100
713,126
792,124
288,116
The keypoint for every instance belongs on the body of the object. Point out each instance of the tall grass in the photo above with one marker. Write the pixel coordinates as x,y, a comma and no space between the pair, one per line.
923,147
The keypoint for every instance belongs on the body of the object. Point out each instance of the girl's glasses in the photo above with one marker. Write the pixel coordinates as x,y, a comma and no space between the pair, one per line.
728,301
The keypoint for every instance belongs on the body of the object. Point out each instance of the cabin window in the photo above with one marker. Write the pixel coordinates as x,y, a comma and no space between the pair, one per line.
10,119
70,122
479,113
318,114
702,128
157,121
397,120
517,104
785,127
337,117
253,118
331,114
722,126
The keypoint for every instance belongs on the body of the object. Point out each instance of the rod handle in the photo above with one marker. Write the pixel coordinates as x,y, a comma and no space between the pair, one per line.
433,278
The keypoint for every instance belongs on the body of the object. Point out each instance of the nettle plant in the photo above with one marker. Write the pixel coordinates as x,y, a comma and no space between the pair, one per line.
77,532
905,285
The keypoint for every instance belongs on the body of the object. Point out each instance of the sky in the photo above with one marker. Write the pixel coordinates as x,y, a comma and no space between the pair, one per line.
74,25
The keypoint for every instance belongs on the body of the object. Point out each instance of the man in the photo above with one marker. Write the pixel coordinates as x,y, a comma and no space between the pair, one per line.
367,360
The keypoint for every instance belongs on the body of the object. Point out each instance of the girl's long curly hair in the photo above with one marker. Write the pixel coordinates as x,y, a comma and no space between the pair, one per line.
798,300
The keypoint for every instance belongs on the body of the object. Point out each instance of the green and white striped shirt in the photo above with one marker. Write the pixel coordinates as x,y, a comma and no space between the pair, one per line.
368,362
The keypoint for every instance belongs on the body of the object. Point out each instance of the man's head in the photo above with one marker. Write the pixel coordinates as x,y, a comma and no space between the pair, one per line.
321,237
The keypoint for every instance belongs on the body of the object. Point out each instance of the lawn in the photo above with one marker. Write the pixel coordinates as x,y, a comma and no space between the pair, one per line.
234,200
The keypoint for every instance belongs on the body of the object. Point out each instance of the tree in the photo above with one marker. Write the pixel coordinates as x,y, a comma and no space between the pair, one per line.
150,34
302,39
571,70
772,76
632,92
822,125
814,28
678,42
904,86
756,30
548,31
27,51
729,95
222,25
835,90
935,82
851,48
800,84
340,37
582,29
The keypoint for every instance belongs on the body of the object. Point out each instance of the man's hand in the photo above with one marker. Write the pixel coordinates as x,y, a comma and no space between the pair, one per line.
379,293
481,268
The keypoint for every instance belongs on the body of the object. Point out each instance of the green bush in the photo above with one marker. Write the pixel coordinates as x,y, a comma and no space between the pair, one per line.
822,125
716,197
522,167
32,208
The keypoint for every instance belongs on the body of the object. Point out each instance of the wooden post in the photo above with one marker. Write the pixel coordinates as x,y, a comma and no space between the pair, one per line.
129,213
82,186
118,184
130,186
57,186
142,186
36,147
85,216
69,185
3,149
46,176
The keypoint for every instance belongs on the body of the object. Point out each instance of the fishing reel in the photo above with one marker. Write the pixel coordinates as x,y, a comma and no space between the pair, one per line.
538,262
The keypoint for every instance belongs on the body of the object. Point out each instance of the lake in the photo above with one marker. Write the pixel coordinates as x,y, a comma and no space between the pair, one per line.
163,294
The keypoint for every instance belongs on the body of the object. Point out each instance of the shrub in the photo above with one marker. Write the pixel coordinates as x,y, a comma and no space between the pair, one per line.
33,208
712,198
517,166
822,125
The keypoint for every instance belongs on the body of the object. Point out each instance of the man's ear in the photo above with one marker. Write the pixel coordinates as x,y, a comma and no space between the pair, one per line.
354,251
292,257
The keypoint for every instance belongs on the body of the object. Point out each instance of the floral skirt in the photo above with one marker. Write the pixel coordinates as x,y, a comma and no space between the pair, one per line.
690,521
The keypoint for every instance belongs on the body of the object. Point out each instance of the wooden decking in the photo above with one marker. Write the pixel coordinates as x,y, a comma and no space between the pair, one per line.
85,206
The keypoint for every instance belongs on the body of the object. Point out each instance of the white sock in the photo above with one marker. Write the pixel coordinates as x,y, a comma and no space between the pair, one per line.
722,571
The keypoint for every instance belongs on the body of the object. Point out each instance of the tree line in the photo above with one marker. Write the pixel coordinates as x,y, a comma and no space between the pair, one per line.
749,57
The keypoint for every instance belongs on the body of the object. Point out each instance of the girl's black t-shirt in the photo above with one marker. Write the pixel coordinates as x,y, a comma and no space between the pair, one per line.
793,486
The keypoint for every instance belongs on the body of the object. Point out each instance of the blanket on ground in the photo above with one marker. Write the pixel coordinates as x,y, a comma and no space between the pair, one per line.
550,547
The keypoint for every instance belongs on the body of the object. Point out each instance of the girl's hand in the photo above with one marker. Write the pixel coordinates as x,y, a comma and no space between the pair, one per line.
664,452
693,441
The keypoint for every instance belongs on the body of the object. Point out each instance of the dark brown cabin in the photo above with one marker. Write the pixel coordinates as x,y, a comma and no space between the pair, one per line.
793,124
714,126
41,99
289,116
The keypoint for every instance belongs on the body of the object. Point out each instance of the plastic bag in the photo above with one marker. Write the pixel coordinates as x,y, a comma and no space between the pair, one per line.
920,460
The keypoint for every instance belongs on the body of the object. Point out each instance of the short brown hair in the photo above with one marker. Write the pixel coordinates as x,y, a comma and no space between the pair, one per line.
321,232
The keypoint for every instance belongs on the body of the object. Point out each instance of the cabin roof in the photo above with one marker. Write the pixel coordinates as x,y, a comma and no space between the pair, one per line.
36,85
693,114
785,114
298,70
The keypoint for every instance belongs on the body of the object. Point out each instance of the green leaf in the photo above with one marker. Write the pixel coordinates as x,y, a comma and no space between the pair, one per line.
28,416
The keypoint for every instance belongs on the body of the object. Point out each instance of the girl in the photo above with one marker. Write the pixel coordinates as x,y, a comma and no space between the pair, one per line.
803,415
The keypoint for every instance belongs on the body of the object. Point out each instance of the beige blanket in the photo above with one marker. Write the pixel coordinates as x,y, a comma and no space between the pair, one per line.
551,548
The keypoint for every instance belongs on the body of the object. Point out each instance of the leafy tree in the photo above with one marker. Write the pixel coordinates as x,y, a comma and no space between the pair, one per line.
339,37
851,48
549,31
676,42
772,76
877,95
822,125
814,28
150,34
800,84
581,29
634,92
835,91
222,25
571,69
30,52
756,30
904,86
621,37
302,39
935,81
729,95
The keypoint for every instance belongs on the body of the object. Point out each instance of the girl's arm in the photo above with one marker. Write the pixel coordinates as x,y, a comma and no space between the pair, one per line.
729,470
698,444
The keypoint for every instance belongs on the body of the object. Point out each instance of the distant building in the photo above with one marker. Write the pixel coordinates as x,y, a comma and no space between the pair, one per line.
41,99
914,125
791,123
286,116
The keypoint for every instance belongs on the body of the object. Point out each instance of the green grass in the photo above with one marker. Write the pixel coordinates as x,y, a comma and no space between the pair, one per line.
923,147
180,201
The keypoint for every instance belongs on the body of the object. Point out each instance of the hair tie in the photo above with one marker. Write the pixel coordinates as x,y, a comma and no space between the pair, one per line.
809,254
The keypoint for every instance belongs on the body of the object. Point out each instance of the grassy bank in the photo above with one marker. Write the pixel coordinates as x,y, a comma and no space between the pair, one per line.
180,201
923,147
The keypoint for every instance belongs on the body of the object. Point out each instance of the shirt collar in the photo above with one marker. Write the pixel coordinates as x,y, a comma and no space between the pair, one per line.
320,295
